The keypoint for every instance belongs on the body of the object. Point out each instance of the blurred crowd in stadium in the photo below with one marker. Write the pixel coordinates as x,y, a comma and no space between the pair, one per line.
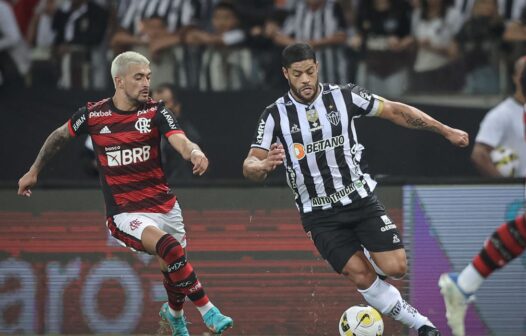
388,46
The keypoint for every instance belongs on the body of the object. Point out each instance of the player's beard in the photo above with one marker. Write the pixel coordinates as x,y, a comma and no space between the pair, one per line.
301,97
137,99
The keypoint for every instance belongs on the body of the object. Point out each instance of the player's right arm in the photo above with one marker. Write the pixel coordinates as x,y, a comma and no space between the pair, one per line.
53,144
481,157
260,162
264,155
76,125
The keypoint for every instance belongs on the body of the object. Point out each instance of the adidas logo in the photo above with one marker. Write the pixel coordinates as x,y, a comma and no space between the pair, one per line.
105,130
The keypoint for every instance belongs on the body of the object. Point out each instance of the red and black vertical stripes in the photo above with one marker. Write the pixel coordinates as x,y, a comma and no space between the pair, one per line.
504,245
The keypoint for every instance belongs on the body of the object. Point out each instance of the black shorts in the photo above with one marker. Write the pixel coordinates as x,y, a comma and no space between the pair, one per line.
339,233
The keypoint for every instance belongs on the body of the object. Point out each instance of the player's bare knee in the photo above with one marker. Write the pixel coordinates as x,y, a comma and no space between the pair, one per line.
396,269
149,238
363,278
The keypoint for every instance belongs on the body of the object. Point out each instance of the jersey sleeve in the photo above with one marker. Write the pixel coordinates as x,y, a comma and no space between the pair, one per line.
264,135
361,102
166,121
78,123
492,130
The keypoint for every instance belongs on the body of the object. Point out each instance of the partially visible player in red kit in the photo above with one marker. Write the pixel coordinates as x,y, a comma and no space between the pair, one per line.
142,213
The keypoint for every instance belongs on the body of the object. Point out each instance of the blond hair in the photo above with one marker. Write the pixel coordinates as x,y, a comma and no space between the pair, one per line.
122,61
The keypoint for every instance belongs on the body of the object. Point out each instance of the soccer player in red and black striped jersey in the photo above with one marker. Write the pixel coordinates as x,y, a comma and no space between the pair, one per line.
505,244
142,213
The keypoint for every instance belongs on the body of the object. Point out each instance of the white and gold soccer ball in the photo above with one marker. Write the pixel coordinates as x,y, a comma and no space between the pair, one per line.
505,160
361,321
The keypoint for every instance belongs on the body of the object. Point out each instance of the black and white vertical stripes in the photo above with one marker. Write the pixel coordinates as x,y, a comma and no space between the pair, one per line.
323,156
175,13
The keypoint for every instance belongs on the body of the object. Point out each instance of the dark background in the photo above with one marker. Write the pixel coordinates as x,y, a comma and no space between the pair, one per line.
226,122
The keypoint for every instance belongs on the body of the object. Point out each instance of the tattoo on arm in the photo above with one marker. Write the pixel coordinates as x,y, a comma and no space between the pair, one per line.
53,144
417,123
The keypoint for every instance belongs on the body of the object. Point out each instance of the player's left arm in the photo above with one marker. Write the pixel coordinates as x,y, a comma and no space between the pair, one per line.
411,117
190,152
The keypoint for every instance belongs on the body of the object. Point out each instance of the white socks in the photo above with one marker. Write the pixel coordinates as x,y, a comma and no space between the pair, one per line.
469,280
176,313
387,299
204,309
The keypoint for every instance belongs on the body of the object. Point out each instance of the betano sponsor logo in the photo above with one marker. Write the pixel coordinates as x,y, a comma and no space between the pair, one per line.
127,156
301,150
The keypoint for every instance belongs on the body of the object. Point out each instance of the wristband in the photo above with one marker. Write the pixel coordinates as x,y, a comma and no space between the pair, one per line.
194,150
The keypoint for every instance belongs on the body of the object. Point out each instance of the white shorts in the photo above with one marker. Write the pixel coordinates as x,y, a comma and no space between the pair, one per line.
127,227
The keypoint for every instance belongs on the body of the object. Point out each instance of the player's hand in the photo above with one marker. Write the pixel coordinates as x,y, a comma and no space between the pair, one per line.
275,157
199,161
26,182
458,137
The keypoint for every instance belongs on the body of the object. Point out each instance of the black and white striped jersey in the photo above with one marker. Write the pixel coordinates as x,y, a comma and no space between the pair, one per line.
174,13
323,158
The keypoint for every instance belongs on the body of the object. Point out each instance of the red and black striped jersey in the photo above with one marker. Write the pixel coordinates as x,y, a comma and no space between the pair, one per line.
127,148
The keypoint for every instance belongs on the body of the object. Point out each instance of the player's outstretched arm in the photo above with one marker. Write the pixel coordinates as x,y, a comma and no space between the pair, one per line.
411,117
190,152
260,162
53,144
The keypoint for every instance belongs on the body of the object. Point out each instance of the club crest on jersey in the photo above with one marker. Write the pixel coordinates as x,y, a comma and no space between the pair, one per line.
294,129
312,116
143,125
334,117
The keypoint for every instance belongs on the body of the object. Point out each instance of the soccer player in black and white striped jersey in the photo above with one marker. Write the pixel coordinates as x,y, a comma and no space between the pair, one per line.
311,131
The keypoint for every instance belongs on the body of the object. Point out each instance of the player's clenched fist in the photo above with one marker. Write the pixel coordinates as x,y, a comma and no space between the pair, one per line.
199,161
275,157
25,183
458,137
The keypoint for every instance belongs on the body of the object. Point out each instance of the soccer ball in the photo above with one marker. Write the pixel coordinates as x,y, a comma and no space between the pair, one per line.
505,160
361,321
